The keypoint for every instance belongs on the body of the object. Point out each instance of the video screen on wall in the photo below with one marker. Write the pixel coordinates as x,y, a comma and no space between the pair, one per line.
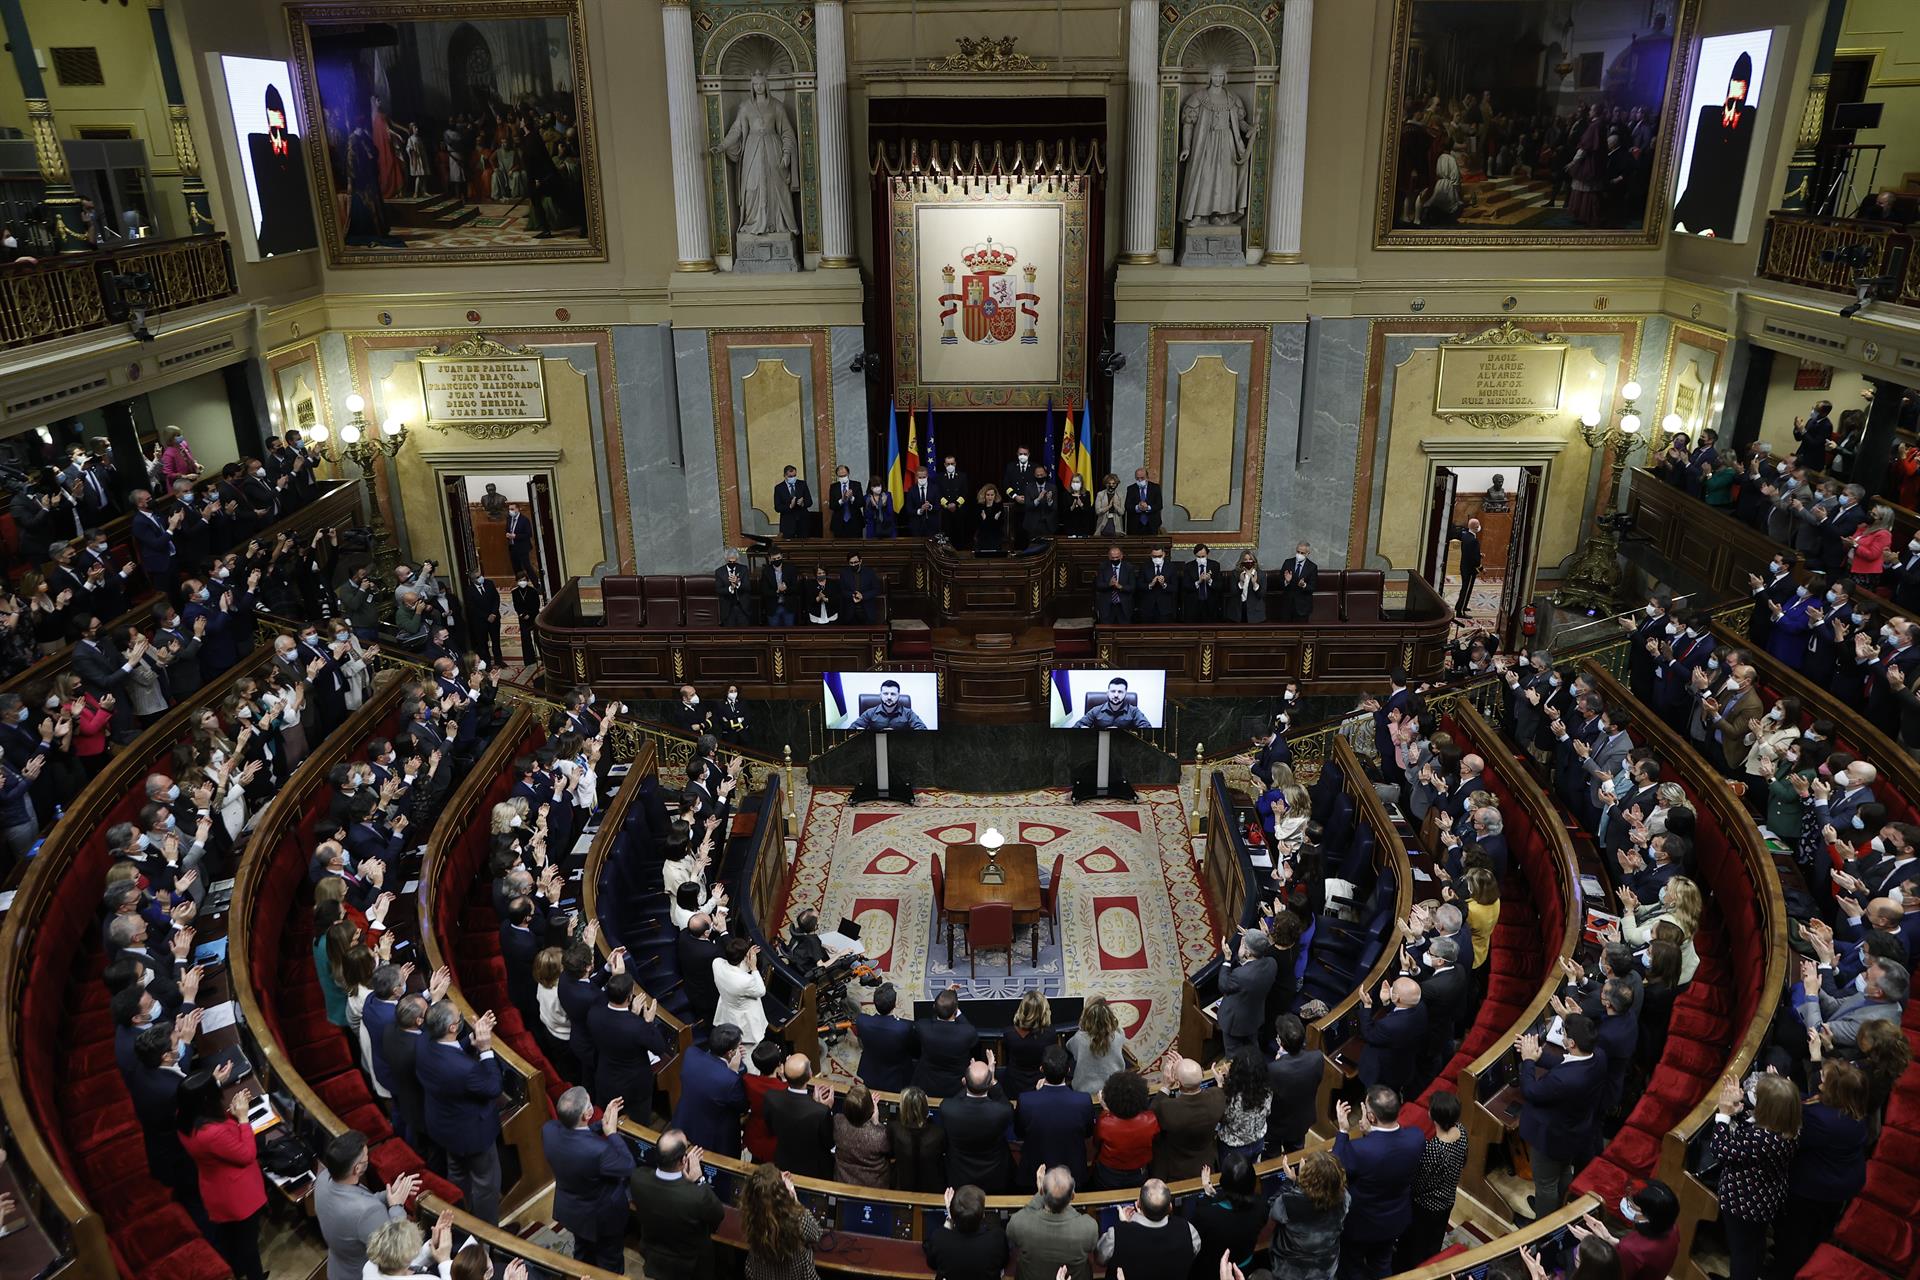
1718,153
1101,698
881,700
273,161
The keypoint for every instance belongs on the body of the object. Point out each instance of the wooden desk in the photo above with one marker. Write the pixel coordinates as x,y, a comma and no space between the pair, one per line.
1020,890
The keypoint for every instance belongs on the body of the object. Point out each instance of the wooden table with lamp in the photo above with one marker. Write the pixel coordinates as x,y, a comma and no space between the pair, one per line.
977,875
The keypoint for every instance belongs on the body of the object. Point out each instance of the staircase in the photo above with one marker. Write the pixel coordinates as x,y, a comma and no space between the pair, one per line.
431,213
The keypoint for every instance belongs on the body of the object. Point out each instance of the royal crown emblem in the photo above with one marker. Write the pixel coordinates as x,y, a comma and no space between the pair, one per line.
987,300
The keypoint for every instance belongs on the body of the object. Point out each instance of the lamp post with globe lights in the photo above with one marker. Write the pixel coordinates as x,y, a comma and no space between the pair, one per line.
1593,576
362,443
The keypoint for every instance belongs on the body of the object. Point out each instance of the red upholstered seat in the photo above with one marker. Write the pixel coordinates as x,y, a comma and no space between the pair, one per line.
91,1130
1698,1025
194,1260
159,1235
1897,1189
321,1058
1878,1235
1899,1148
1696,1057
1635,1149
394,1157
1829,1263
370,1121
84,1093
342,1093
1605,1179
1903,1108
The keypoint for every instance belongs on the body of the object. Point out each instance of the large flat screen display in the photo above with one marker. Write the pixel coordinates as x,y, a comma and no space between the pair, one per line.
1098,698
881,700
273,163
1719,156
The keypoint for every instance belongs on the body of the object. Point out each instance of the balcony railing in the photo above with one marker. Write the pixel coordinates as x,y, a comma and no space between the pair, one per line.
65,295
1823,253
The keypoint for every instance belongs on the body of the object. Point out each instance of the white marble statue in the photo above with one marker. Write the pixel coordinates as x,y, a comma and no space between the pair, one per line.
761,141
1216,148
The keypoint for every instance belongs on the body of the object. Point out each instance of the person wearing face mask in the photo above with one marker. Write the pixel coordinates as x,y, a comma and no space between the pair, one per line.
990,522
1016,482
1814,432
730,723
876,513
921,506
1648,630
1766,740
1685,650
955,498
483,615
791,501
688,715
527,601
1726,711
819,597
1837,533
183,670
860,595
260,494
1772,587
1109,508
1076,509
846,518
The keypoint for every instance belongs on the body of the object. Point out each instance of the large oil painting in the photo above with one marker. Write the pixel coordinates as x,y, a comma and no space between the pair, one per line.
451,131
1532,123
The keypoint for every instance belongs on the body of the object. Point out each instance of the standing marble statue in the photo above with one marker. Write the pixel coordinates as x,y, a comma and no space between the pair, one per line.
1216,146
761,142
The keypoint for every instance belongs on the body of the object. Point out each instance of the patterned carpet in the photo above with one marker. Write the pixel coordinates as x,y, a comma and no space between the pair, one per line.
1133,916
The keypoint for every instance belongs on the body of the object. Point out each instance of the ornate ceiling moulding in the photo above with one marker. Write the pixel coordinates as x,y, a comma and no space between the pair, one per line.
985,57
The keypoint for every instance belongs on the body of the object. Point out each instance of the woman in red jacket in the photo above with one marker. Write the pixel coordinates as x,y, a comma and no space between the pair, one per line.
220,1141
92,718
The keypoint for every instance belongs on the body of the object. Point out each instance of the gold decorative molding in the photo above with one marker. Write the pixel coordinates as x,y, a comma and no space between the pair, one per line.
1506,334
986,56
481,347
47,151
181,126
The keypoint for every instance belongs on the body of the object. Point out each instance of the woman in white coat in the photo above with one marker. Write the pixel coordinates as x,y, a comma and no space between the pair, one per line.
736,975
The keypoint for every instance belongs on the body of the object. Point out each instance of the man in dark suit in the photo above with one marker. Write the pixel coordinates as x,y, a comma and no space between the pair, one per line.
780,588
1159,585
1270,749
1398,698
1444,994
677,1213
955,495
524,931
1382,1159
1562,1104
921,506
713,1099
462,1106
153,538
791,499
697,948
401,1048
1298,577
1847,519
845,518
976,1123
947,1042
1054,1121
859,593
800,1118
624,1033
580,990
1393,1035
1113,590
1016,482
155,1086
1650,629
1246,973
886,1043
483,615
1199,601
970,1244
1616,1036
1143,504
1294,1078
590,1172
1815,434
1469,537
520,540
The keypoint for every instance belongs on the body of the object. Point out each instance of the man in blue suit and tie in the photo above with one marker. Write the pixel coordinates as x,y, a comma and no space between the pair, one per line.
791,499
1381,1159
886,1044
1397,699
590,1172
520,540
462,1102
1393,1035
713,1098
1560,1120
1054,1121
153,539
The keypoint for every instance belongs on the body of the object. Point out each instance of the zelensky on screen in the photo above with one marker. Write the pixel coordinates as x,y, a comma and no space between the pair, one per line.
881,700
1103,699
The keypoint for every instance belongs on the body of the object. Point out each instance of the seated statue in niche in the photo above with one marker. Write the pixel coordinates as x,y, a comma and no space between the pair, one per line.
1216,146
761,142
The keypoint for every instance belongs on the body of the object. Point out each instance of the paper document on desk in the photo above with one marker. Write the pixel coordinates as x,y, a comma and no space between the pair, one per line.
220,1016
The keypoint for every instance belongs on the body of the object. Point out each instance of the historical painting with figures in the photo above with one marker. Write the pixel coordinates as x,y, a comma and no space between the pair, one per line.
1524,123
451,130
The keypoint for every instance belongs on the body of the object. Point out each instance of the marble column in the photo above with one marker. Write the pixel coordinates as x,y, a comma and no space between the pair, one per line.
62,201
1287,196
1143,119
192,189
692,227
830,100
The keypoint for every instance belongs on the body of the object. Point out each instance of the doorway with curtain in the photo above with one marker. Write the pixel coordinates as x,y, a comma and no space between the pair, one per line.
1508,512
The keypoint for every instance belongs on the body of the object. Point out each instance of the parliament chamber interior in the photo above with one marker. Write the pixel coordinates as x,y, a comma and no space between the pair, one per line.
795,638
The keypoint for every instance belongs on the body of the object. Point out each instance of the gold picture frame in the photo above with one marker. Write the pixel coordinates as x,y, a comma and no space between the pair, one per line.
357,148
922,291
1484,224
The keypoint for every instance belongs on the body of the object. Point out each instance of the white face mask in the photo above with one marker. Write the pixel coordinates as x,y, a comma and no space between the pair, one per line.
1776,714
514,821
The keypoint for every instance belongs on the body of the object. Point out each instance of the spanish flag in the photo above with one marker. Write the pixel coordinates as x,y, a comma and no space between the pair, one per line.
1076,451
913,450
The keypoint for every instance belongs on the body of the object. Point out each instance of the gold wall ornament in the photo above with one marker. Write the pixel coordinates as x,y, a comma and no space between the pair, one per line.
48,154
986,56
482,388
1499,377
1206,660
182,129
1306,661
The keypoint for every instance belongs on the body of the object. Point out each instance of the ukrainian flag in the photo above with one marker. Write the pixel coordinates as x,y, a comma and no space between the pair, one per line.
896,481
